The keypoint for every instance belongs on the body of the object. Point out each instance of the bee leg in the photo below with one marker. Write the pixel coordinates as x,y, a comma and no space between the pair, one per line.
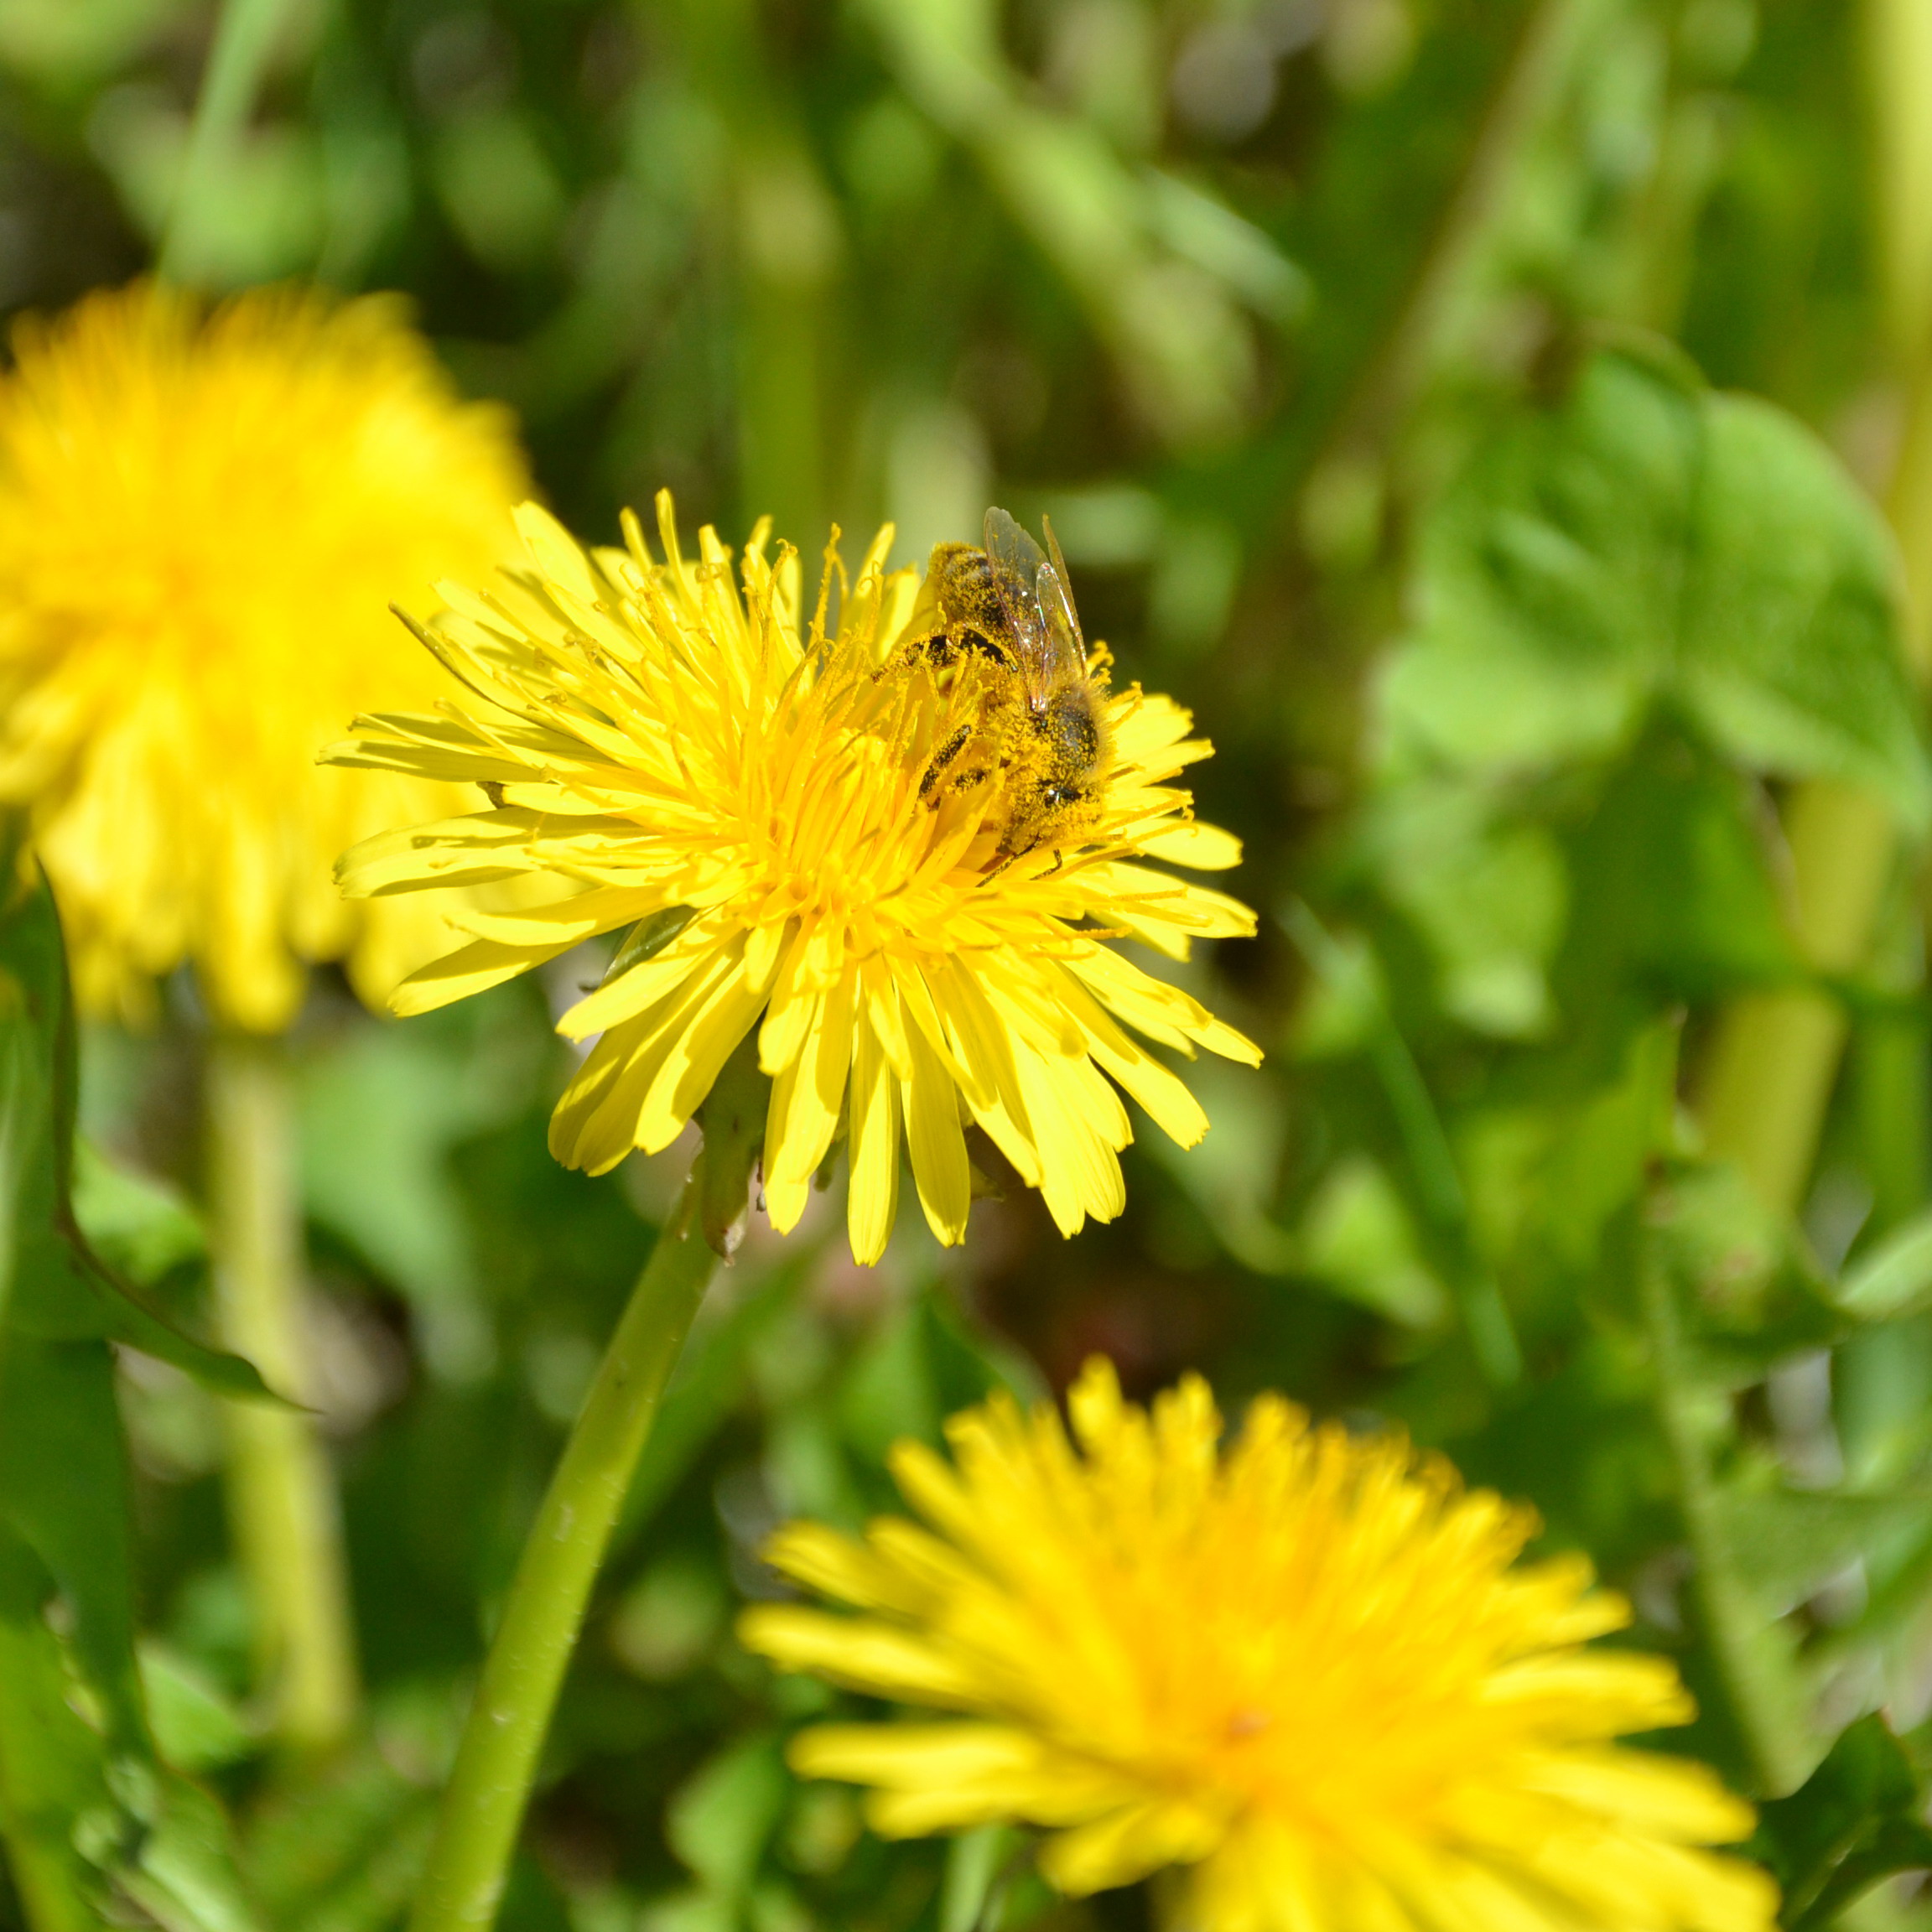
1059,860
943,757
943,649
977,643
937,651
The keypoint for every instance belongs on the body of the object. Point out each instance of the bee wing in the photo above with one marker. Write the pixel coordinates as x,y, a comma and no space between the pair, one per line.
1017,563
1066,646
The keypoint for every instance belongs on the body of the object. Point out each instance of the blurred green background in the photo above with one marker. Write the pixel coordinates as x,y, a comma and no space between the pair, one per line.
1234,289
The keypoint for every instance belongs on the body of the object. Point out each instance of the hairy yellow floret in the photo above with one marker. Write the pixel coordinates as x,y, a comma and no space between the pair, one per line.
202,519
668,751
1309,1668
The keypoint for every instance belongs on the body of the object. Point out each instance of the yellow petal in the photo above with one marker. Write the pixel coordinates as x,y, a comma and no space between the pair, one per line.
647,982
855,1651
471,968
940,1169
697,1057
1132,1842
554,550
1204,847
872,1200
797,1139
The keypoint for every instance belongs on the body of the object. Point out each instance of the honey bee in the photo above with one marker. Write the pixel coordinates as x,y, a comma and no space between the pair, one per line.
1005,612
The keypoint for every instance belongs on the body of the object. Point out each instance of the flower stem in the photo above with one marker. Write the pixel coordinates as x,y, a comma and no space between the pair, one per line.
496,1757
244,40
280,1488
1753,1663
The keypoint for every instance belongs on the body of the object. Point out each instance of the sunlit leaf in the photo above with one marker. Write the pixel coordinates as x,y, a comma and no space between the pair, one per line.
1651,542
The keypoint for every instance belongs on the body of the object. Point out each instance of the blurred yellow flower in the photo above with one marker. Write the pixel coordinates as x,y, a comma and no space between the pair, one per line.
667,753
1310,1668
202,519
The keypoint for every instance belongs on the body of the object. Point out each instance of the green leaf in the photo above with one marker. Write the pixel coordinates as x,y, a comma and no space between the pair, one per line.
1549,1178
1750,1291
1788,649
977,1867
63,1492
1789,1543
1671,892
53,1768
340,1850
1485,888
1854,1821
89,1811
55,1287
1358,1239
126,1317
888,1391
1893,1280
140,1229
184,1875
381,1109
47,1290
719,1821
1650,541
196,1727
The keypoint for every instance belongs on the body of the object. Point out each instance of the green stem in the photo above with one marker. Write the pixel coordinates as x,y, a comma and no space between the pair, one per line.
282,1490
1775,1056
1753,1664
1526,92
245,38
497,1760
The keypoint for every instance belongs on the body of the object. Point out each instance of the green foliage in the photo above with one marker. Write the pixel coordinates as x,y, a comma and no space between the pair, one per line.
1650,546
1857,1819
1359,369
89,1810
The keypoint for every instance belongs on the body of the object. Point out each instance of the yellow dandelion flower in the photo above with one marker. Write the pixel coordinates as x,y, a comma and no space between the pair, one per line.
672,752
1309,1669
202,519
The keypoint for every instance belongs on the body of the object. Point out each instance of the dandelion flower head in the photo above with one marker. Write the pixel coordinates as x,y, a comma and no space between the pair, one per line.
1309,1670
672,749
204,517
